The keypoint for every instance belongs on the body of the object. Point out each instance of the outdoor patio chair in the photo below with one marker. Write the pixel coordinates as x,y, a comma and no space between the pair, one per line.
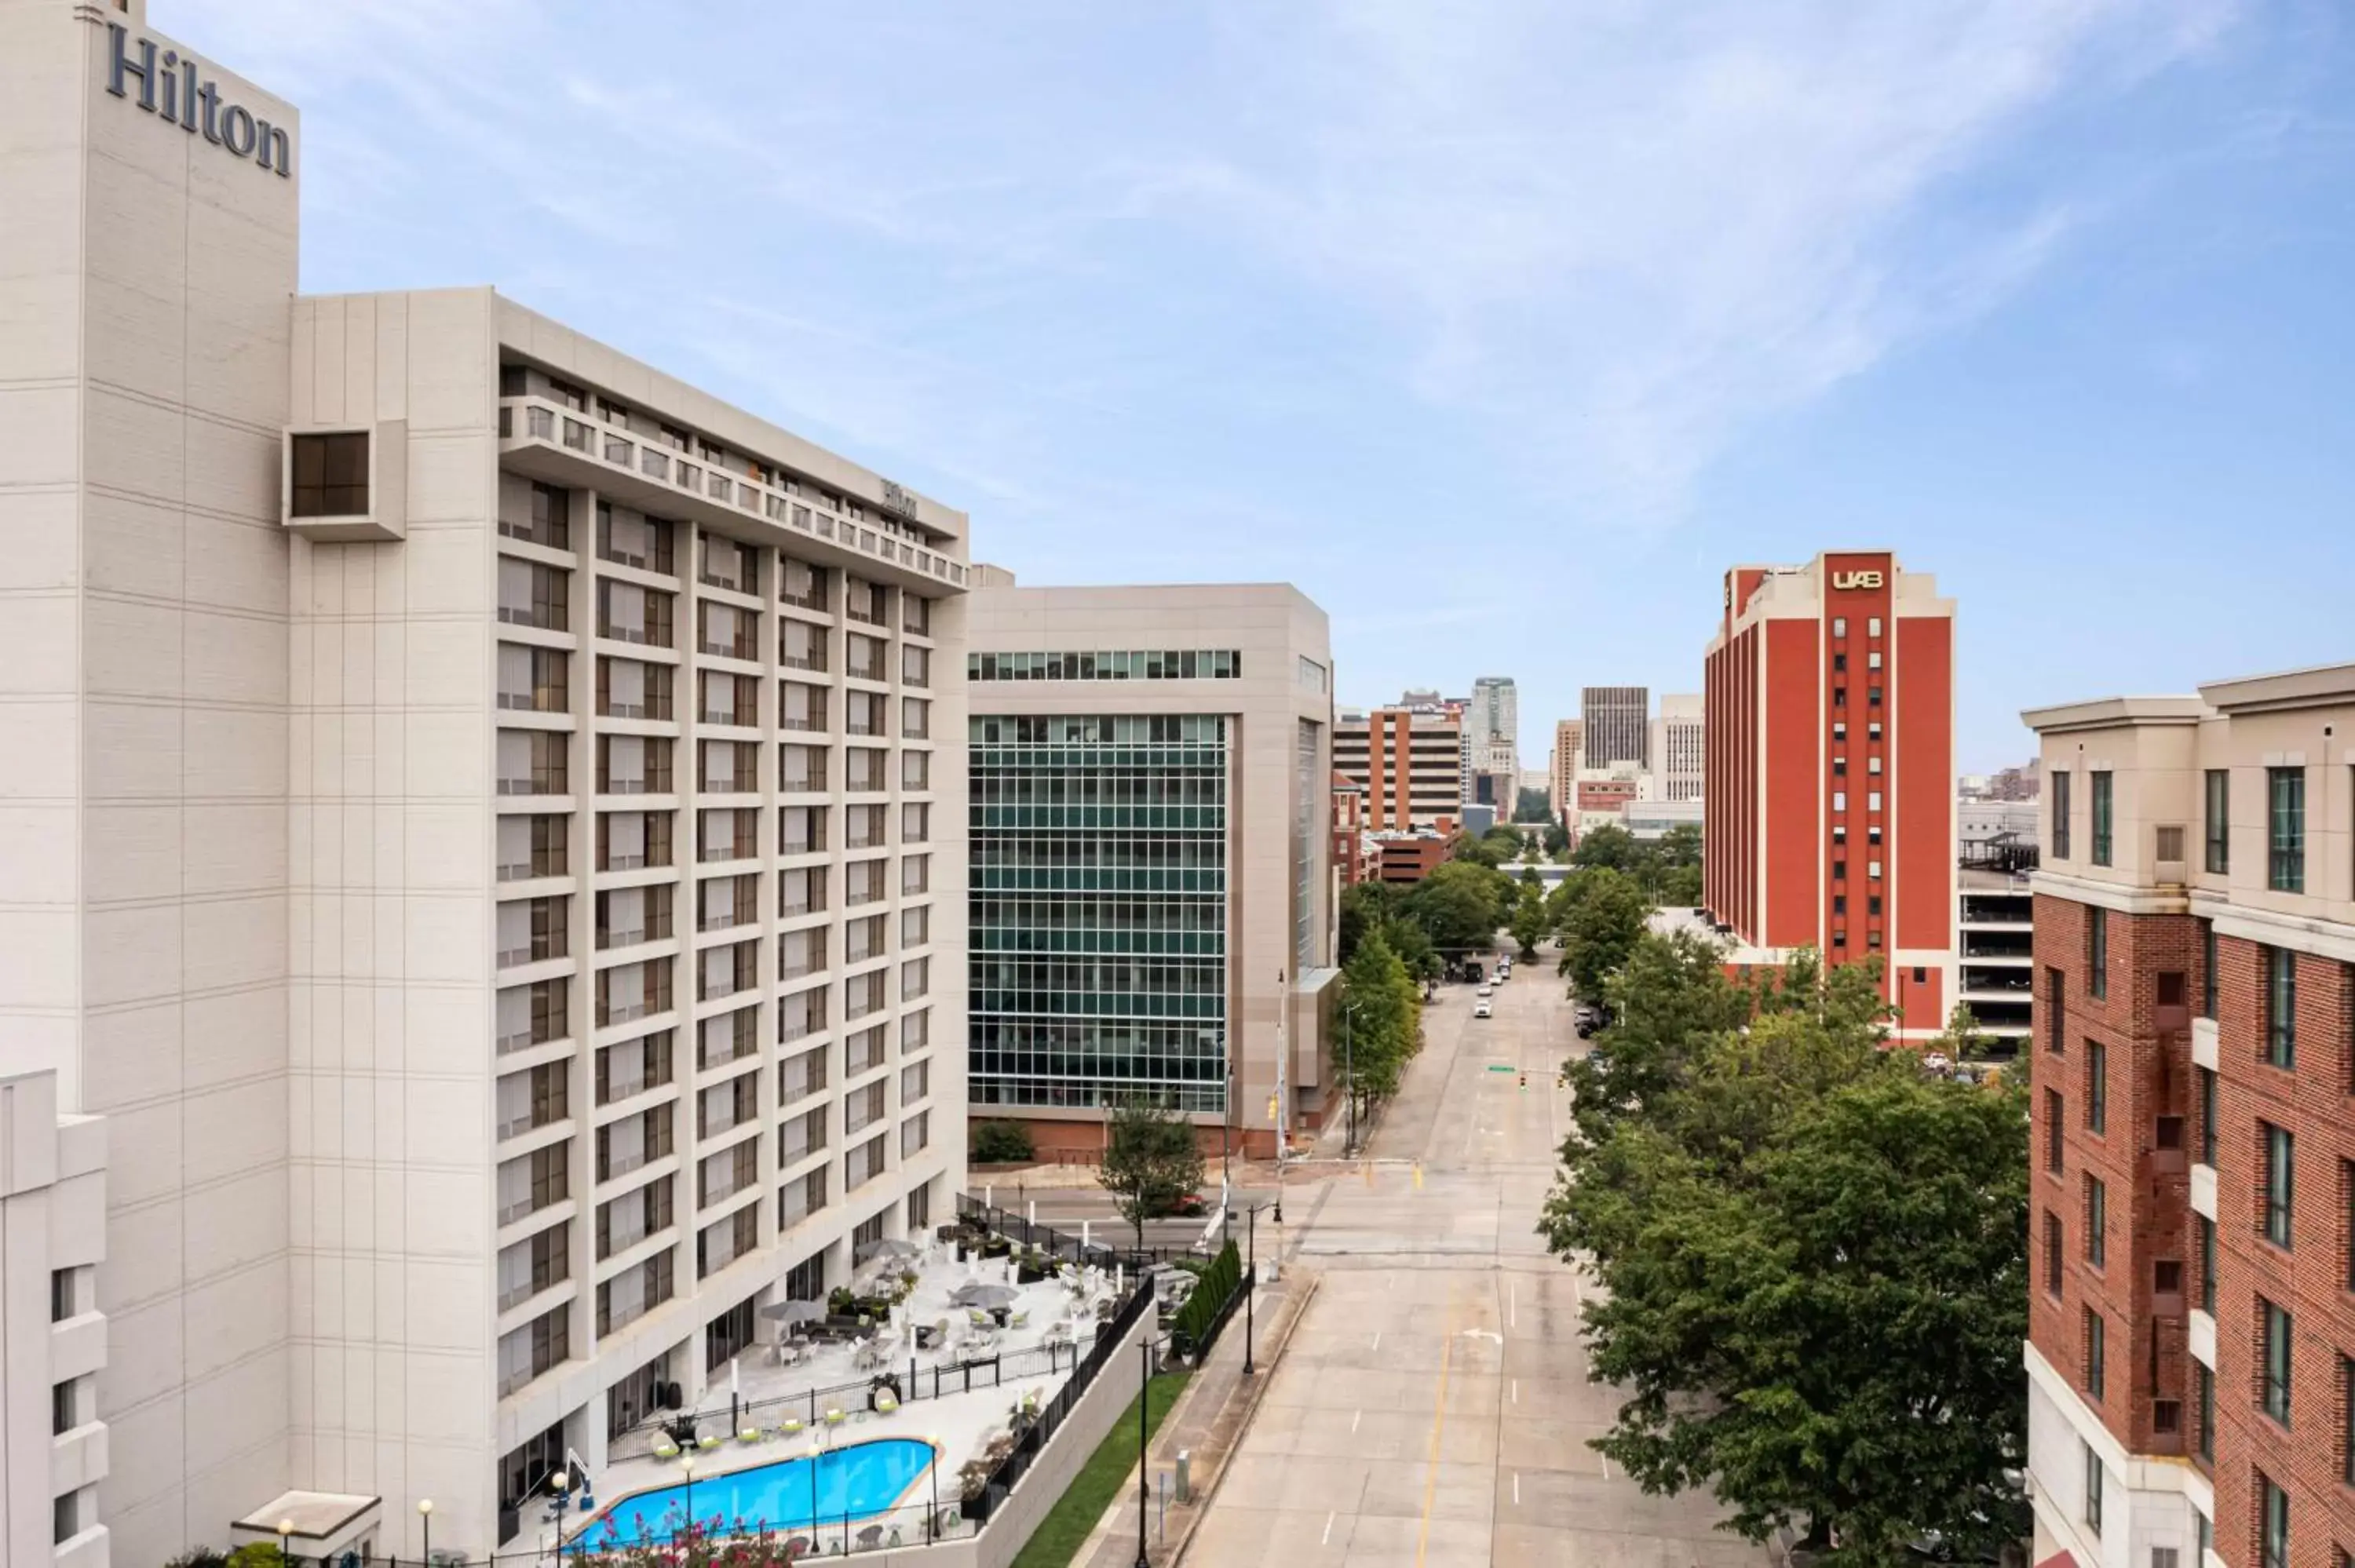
664,1448
791,1426
834,1418
885,1403
870,1538
1021,1319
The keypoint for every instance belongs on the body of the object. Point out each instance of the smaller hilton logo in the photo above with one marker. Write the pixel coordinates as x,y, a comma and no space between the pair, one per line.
169,86
1856,579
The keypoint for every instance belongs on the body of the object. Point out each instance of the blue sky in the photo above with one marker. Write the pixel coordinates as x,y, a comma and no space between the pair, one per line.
1500,327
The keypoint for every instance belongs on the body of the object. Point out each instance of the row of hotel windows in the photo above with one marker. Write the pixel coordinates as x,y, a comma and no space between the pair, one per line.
629,538
2285,823
532,846
539,680
540,762
538,597
1176,664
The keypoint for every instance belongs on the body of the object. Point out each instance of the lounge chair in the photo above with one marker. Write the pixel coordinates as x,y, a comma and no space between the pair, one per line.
885,1403
834,1417
751,1435
789,1427
712,1442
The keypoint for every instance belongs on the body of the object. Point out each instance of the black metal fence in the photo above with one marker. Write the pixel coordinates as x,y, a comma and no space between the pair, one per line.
1062,1245
1035,1437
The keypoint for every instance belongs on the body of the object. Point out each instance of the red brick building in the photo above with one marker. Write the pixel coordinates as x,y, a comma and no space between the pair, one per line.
2192,1313
1829,712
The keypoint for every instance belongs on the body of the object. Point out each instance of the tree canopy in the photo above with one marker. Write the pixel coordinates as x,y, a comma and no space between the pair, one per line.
1382,1011
1813,1256
1667,869
1460,906
1151,1159
1532,806
1602,912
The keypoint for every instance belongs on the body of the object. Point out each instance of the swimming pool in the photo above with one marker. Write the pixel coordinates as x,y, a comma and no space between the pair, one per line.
855,1482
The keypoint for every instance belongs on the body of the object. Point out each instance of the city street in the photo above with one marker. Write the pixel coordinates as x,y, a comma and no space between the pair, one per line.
1433,1407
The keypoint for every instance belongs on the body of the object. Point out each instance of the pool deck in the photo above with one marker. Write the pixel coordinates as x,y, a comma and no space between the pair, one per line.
959,1425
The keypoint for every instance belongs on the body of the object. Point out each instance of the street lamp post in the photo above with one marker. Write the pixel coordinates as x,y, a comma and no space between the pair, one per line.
285,1534
1143,1471
425,1524
1349,1070
932,1519
686,1464
813,1452
1250,1237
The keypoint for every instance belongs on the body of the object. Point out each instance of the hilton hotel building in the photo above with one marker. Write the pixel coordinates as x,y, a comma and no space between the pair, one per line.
478,817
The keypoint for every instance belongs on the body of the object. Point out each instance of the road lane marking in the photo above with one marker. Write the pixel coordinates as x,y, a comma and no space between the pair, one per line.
1512,1307
1430,1481
1516,1390
1517,1488
1355,1416
1326,1539
1377,1340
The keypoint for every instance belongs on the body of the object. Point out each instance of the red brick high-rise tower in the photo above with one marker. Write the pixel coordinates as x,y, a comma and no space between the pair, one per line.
1830,757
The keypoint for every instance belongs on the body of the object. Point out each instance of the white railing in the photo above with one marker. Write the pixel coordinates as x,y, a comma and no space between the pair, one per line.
636,454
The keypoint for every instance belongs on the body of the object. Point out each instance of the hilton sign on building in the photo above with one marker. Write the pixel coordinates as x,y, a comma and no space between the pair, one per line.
400,849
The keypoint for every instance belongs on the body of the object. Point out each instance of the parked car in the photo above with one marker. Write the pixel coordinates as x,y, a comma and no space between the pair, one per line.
1185,1206
1480,1009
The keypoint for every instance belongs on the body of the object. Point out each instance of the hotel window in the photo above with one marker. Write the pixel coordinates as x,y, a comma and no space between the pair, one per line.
2093,1473
2096,1351
2097,1088
1872,660
2052,1246
2204,1436
2097,953
2273,1329
2056,1012
2052,1131
2207,1265
1840,662
2347,1218
1872,626
2103,805
2281,1008
1840,799
1872,697
2060,793
2347,1421
2097,1222
1840,626
2273,1513
330,474
2286,829
2208,969
2278,1150
2207,1116
2219,784
1872,801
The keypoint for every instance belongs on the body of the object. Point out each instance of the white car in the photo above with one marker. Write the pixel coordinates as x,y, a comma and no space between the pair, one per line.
1480,1010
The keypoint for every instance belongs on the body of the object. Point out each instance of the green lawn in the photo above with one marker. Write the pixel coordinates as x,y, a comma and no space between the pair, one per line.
1100,1481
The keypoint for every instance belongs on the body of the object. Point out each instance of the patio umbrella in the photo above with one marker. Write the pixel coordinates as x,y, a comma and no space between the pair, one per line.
794,1311
886,1246
985,1296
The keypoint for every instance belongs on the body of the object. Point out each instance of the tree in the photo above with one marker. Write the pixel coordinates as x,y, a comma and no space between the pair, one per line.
1383,1009
1411,943
1669,998
1813,1262
1364,905
1529,923
1459,906
1151,1159
1531,806
1605,917
1608,846
1557,840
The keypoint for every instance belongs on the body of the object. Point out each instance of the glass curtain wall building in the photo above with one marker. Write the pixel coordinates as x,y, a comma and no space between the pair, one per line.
1099,941
1152,892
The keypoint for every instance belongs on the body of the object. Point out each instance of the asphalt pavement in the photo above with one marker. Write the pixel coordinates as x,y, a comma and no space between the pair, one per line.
1432,1407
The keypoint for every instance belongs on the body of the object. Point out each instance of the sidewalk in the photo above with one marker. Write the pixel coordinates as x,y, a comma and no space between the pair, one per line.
1209,1420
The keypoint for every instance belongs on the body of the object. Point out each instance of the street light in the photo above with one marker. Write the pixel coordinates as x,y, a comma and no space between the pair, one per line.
424,1523
686,1464
285,1533
1143,1471
932,1519
813,1452
1251,1269
1349,1070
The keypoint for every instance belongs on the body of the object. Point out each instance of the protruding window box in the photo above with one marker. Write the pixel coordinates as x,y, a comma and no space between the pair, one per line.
341,485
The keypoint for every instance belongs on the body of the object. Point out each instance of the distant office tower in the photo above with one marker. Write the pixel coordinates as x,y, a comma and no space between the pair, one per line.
1124,799
1617,724
1830,771
1496,713
2189,1318
1678,744
1410,761
1569,756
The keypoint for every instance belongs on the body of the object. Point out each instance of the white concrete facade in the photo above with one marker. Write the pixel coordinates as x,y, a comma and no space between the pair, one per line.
415,891
53,1444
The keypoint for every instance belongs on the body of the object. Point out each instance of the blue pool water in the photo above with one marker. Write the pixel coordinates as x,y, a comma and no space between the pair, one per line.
857,1482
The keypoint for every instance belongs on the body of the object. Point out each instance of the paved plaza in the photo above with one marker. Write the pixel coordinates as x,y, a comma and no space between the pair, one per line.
1433,1407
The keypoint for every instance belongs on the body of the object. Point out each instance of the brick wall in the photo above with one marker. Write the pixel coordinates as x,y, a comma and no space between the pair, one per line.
2147,1077
2310,1102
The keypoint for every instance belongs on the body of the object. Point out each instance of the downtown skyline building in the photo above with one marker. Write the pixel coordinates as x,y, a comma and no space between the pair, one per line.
483,829
1615,725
